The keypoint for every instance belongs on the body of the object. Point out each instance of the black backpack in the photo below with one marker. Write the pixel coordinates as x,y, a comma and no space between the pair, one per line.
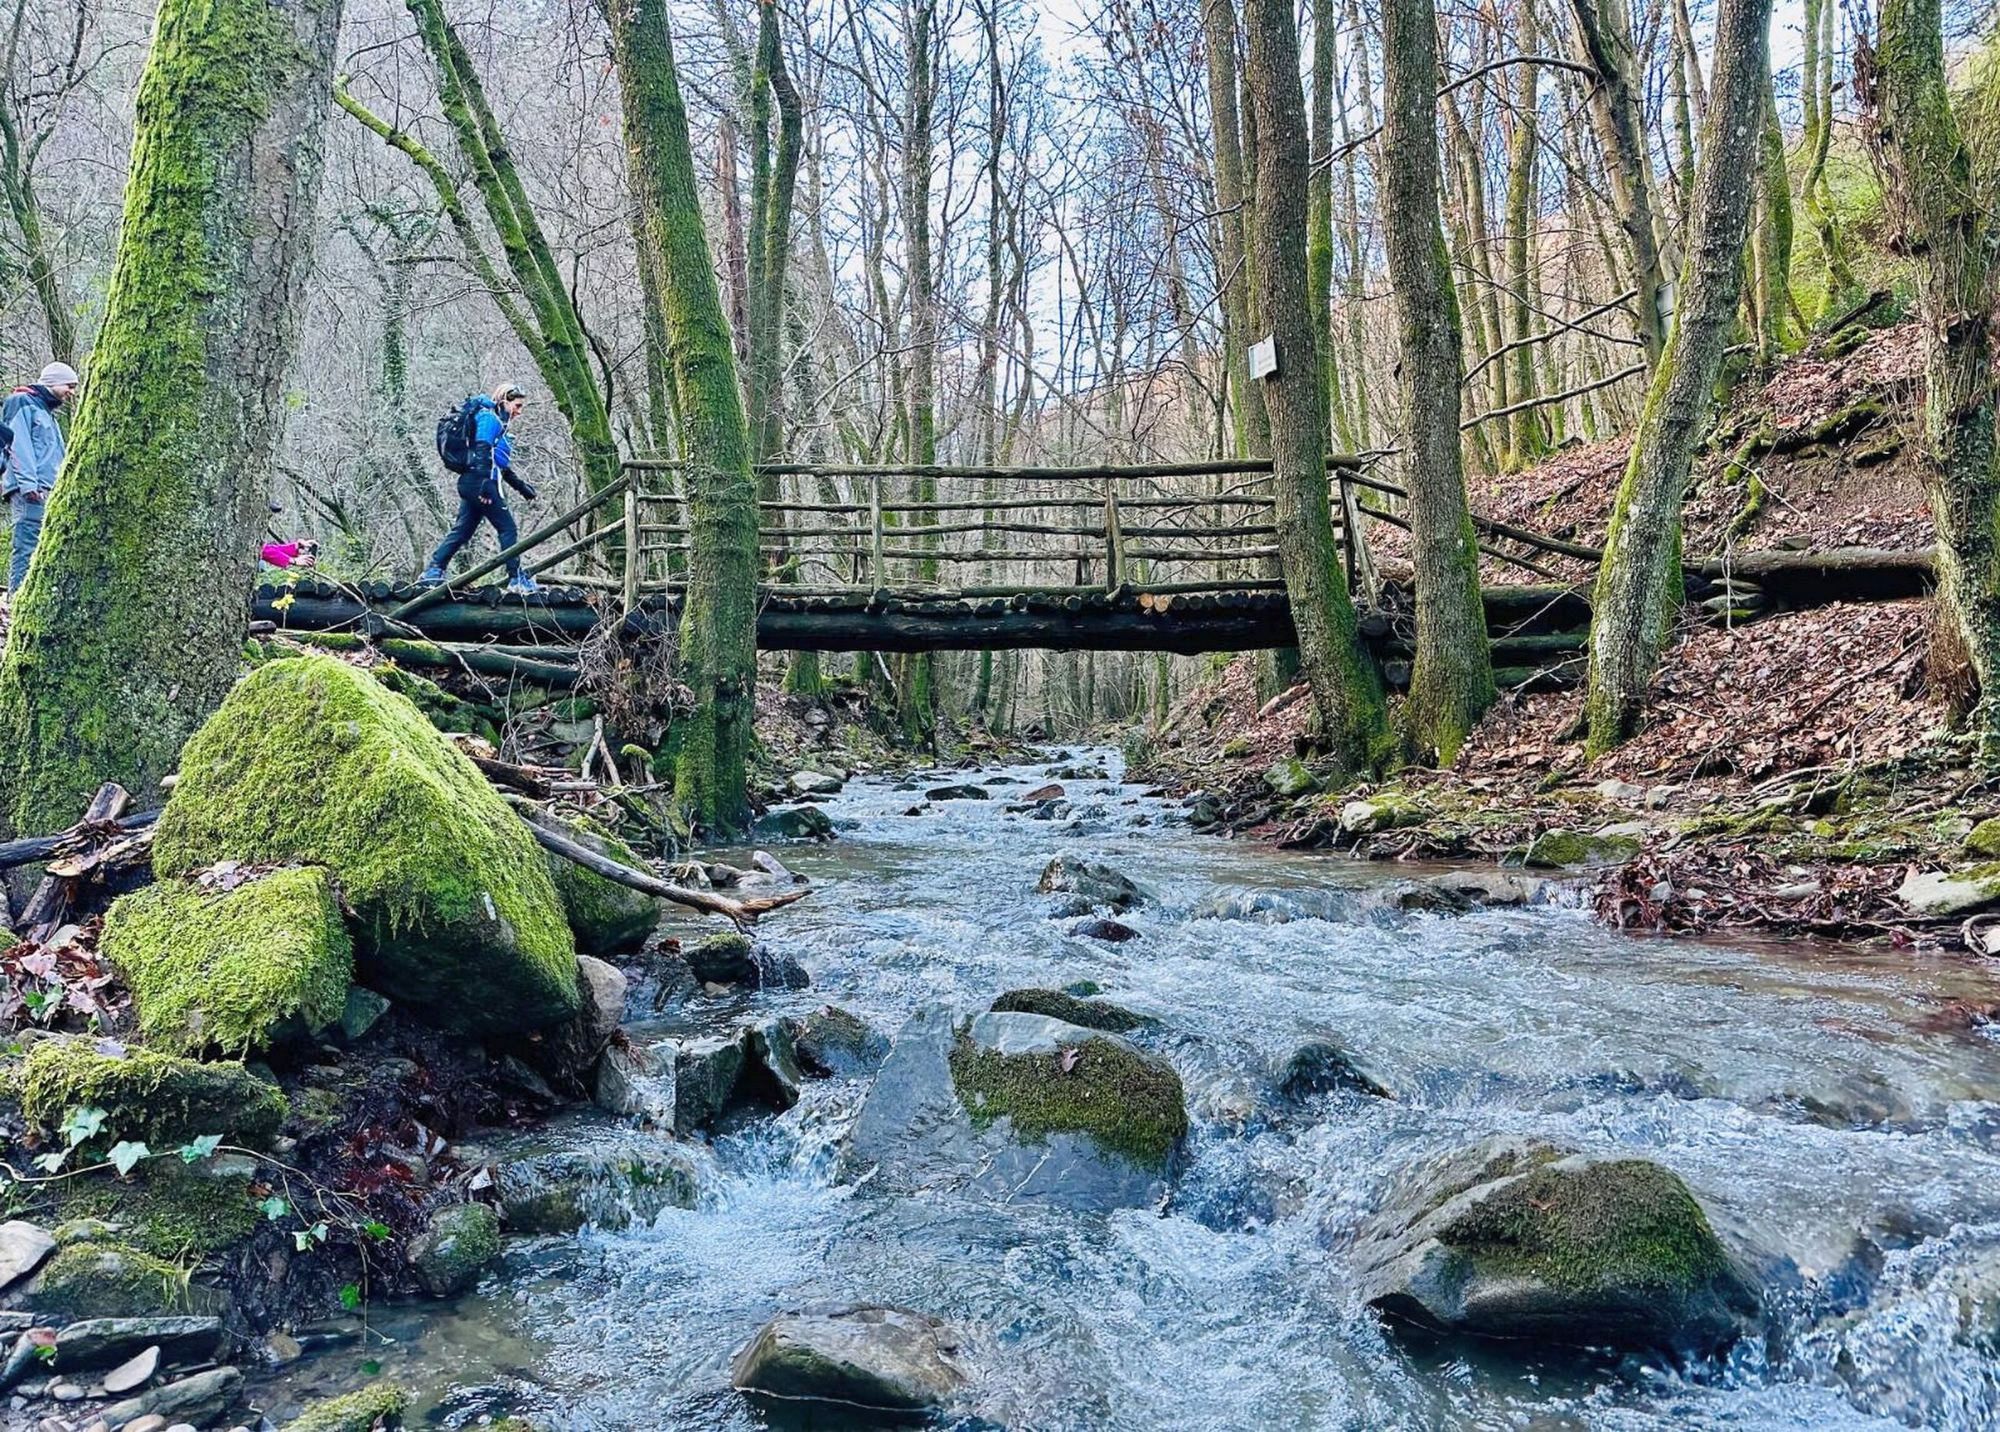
455,433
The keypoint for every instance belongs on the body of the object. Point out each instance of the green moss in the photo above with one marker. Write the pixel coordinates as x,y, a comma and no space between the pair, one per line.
168,1210
1558,848
161,1099
108,1280
310,760
451,1253
1984,839
1624,1223
1130,1105
603,915
380,1404
442,709
1087,1014
232,971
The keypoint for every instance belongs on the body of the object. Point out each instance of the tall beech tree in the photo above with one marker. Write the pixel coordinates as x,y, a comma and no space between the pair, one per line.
1451,681
1345,688
1944,227
719,623
1639,588
129,628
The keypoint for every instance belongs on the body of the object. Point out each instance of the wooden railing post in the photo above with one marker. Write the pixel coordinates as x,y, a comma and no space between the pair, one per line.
875,531
635,552
1114,538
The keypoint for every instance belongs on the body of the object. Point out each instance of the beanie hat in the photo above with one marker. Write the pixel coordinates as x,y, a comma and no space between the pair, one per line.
507,392
56,375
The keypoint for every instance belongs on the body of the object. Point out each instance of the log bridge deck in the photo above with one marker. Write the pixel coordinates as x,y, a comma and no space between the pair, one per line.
1106,559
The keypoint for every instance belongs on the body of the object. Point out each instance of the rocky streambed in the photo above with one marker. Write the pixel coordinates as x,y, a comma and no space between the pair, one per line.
1046,1112
1201,1135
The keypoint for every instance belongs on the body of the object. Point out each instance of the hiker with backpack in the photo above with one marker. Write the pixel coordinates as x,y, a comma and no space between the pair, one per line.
34,455
473,442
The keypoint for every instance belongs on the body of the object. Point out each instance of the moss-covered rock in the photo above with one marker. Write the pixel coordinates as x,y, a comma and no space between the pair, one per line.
1982,840
1084,1013
1555,849
1566,1249
1380,813
109,1280
1046,1076
313,761
232,971
605,917
455,1248
162,1099
380,1404
1290,778
168,1209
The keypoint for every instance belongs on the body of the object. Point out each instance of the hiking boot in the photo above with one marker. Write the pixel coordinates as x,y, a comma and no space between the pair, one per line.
523,586
432,577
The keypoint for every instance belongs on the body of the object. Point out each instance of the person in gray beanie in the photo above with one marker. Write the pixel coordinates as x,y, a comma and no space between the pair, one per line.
34,454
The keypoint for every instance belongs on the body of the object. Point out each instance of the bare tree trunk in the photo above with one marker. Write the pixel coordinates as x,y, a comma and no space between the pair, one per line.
1945,228
129,629
1346,691
1639,587
1451,682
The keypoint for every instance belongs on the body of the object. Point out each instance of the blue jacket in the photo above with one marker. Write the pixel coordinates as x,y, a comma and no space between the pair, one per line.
37,452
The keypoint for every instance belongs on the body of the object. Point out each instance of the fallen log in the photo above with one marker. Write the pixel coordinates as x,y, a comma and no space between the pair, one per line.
1844,574
55,895
34,849
743,913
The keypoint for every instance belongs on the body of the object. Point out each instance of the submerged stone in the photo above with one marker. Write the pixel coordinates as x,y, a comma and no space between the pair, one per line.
222,965
1084,1013
1327,1065
380,1404
888,1362
612,1188
311,760
833,1042
1526,1242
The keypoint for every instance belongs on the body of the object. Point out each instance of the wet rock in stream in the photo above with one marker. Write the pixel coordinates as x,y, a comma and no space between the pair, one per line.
1327,1065
889,1362
1510,1240
1019,1107
611,1187
1091,886
832,1042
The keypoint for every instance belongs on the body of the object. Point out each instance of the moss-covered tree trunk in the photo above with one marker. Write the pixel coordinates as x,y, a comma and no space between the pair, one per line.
129,629
1528,439
1451,681
1639,587
1346,690
1771,243
916,672
719,624
1942,224
1816,95
17,183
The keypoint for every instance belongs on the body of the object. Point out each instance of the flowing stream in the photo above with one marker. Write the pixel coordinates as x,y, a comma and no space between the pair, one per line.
1821,1102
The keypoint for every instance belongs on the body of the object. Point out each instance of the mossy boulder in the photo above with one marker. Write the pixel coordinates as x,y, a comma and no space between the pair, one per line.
610,1188
456,1246
1946,894
1084,1013
161,1099
380,1404
1380,813
1982,840
1290,778
1090,885
605,917
168,1209
1019,1108
110,1280
1557,849
217,967
1531,1243
312,761
886,1364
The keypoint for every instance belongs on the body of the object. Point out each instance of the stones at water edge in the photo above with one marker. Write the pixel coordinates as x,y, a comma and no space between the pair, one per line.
609,1188
733,959
1290,778
957,793
991,1109
795,823
689,1085
1514,1241
199,1399
605,917
376,1405
1326,1065
95,1342
160,1098
457,1245
1373,816
890,1362
814,783
568,1054
1560,849
23,1247
1094,886
135,1371
1941,894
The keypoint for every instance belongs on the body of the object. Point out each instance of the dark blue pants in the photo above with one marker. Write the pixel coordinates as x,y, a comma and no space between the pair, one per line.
471,512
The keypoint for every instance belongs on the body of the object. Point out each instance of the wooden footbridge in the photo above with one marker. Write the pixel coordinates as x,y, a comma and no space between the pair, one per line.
1165,557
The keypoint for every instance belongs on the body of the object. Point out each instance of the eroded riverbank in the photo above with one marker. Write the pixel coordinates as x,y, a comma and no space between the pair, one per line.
1831,1109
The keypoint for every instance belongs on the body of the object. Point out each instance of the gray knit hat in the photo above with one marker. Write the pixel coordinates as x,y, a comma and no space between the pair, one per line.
57,375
